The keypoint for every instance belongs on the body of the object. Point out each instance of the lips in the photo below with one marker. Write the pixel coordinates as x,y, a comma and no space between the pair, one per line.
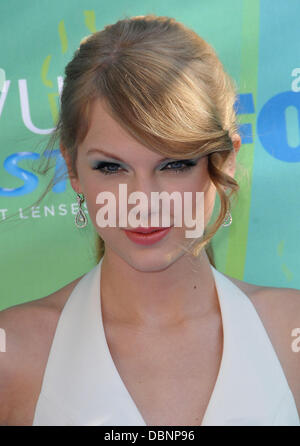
146,230
147,236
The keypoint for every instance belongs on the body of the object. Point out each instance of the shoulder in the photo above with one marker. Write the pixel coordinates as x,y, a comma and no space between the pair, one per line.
279,306
28,330
279,311
24,321
262,296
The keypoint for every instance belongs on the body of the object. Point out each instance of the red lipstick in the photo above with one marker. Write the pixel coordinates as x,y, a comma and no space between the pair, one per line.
146,236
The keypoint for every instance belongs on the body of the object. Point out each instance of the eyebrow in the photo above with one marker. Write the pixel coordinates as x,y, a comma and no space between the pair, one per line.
109,155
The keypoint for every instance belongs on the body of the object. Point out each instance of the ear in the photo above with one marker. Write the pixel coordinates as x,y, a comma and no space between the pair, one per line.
73,179
231,162
236,141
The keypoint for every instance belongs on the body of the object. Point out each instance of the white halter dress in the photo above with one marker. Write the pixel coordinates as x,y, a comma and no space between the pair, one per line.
82,387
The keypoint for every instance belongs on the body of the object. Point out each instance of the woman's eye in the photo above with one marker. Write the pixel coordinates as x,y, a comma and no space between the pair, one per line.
107,168
180,166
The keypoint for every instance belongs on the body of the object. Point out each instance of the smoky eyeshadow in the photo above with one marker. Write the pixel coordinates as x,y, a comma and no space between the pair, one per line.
98,164
188,162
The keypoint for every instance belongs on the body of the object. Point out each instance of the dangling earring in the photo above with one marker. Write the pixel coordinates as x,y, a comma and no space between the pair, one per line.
80,218
228,219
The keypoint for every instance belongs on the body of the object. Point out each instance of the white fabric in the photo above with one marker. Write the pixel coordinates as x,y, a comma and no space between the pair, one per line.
81,384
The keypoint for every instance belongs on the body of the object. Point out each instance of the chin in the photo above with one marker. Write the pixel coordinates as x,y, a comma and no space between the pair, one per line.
149,259
149,266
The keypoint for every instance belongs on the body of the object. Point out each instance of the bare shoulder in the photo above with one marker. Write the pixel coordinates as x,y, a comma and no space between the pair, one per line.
29,329
24,321
279,311
276,305
278,308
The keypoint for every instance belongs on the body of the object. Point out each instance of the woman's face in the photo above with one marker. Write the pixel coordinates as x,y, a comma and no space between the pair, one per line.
140,169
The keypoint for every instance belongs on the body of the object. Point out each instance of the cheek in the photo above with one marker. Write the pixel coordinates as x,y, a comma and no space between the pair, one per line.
209,203
202,183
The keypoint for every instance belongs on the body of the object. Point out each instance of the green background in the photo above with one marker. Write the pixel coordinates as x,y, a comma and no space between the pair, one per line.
258,43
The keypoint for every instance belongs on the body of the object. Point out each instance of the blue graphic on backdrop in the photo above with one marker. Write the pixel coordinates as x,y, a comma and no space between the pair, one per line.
272,126
31,181
11,166
244,106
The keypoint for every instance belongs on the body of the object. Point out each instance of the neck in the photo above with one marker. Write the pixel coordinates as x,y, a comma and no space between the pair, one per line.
178,294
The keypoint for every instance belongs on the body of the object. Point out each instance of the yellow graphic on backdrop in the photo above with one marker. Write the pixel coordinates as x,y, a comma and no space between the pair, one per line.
90,23
63,36
286,271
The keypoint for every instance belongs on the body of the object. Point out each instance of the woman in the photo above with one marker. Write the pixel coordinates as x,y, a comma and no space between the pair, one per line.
153,334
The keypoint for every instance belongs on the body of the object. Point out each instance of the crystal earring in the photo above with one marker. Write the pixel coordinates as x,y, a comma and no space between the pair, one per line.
228,219
80,218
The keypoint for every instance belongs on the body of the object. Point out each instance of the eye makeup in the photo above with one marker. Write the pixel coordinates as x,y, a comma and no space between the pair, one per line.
173,166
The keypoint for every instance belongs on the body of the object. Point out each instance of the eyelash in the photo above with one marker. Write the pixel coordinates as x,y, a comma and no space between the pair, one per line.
188,164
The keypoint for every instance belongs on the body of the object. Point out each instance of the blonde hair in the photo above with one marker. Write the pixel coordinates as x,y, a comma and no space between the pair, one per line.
166,86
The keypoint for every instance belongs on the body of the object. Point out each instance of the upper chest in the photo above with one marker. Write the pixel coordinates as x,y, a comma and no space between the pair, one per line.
170,375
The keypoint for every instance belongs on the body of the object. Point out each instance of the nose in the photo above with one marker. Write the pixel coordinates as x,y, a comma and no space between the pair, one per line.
140,193
145,183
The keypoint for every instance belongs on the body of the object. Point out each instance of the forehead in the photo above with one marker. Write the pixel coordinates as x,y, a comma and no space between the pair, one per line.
107,134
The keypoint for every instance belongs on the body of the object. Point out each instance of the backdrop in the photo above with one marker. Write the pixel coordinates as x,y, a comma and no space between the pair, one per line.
258,43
